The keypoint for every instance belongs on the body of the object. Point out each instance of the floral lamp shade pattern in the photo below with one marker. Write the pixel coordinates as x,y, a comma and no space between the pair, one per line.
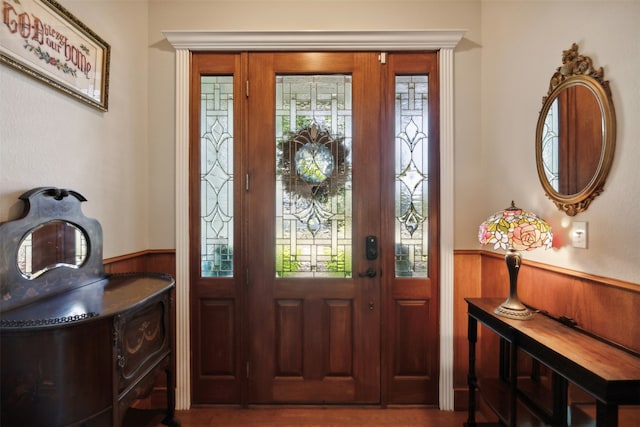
517,229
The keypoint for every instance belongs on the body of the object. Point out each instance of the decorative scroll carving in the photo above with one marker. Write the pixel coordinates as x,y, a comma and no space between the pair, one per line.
147,332
572,209
575,64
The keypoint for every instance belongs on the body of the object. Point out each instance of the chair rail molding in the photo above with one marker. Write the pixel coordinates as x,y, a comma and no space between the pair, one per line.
444,41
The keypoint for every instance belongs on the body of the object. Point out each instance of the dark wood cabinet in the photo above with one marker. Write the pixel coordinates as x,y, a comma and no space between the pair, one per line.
77,346
609,374
59,371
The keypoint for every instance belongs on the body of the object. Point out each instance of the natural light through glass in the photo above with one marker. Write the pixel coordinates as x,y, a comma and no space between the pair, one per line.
550,144
412,176
313,176
216,176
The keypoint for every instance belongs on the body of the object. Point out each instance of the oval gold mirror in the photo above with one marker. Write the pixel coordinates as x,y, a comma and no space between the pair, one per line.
576,133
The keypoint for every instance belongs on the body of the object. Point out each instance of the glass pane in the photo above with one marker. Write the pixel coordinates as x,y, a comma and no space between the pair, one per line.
313,176
412,176
550,146
216,176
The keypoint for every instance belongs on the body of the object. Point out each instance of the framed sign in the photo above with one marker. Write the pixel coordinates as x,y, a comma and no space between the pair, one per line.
42,39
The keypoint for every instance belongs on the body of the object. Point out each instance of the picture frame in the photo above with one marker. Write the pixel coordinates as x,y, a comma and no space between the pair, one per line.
45,41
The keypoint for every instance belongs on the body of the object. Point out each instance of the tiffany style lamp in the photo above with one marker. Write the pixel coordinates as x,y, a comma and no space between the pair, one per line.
515,230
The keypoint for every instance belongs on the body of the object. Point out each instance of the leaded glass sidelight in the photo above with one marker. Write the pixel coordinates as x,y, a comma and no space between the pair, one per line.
216,176
411,176
313,176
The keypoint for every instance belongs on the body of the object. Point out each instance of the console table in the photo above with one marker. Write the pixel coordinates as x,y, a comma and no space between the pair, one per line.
609,374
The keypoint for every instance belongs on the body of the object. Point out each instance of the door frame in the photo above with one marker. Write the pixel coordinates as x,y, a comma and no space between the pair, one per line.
443,41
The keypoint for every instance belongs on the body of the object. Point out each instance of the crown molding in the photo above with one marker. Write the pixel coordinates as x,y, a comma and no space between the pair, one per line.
314,40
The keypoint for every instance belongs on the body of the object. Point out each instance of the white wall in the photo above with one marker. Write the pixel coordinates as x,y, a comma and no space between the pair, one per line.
123,160
522,44
50,139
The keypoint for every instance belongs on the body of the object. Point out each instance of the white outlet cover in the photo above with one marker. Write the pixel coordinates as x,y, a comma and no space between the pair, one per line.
579,234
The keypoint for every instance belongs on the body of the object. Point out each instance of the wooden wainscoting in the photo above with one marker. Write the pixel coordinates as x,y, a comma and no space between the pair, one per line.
150,261
602,306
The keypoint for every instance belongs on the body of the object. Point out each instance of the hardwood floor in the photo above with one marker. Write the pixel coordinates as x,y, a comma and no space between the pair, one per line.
308,417
270,416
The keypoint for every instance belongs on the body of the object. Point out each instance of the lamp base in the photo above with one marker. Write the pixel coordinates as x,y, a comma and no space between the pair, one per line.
513,310
512,307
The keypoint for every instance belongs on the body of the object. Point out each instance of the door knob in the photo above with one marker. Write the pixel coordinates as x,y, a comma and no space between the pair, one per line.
371,272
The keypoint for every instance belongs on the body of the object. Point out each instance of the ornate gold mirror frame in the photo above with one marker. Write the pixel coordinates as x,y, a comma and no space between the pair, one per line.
564,148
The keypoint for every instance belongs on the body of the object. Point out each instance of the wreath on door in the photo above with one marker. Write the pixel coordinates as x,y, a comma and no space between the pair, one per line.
313,163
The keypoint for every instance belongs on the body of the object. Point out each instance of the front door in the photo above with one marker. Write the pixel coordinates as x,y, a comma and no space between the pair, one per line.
332,296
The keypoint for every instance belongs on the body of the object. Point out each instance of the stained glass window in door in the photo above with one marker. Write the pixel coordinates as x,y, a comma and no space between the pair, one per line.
412,176
216,176
313,176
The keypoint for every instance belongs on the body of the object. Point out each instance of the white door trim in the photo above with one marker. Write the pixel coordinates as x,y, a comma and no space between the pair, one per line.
444,41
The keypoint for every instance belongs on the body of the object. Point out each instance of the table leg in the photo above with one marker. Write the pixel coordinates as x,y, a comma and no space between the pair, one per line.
513,398
472,380
606,414
560,391
169,419
504,359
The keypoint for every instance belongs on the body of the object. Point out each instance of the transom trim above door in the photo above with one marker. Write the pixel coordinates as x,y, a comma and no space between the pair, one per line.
443,41
314,40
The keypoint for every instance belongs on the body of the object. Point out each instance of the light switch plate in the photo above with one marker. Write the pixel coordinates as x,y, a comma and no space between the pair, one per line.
579,234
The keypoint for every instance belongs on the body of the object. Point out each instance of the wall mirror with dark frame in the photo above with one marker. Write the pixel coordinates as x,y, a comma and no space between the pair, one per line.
575,134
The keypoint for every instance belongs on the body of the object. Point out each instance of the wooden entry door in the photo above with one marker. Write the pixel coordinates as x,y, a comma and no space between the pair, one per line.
332,293
314,310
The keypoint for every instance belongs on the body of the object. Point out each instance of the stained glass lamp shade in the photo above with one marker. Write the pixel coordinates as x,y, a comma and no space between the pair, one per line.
515,230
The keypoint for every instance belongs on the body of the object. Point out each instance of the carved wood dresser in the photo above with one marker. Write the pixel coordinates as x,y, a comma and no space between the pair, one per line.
78,346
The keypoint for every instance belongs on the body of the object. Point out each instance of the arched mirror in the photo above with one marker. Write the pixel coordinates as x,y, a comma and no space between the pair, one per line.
575,135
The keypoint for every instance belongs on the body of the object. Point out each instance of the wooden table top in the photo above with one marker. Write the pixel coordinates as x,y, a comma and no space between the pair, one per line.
609,363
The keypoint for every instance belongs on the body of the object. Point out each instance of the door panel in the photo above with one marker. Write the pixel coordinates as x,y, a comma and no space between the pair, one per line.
410,230
313,337
216,265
